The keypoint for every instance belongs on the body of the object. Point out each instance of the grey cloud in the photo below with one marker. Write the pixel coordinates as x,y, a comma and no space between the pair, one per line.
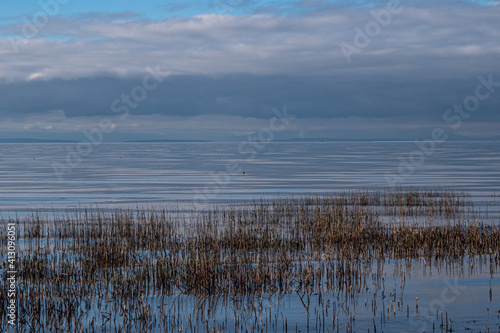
382,96
223,127
424,61
441,40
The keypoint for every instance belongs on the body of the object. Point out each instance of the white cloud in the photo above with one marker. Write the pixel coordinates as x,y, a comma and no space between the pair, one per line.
35,76
425,60
260,44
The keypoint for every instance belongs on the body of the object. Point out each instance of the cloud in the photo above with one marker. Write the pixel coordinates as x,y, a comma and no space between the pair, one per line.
221,127
439,36
384,96
424,61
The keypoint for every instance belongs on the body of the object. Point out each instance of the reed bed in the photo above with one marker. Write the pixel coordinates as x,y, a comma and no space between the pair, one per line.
136,270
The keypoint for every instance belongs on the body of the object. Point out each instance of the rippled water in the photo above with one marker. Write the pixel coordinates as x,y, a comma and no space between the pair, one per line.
192,174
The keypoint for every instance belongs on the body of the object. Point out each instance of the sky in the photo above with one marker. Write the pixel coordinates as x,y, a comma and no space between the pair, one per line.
222,69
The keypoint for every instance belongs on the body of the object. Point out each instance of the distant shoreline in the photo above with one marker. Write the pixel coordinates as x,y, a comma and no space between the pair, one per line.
312,140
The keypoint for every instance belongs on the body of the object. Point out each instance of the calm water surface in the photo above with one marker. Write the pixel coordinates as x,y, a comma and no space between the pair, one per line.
194,175
191,174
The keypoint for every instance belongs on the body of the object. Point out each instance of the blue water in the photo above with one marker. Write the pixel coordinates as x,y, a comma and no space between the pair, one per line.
196,174
193,175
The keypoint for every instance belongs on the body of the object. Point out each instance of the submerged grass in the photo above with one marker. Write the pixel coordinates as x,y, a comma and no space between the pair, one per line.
71,264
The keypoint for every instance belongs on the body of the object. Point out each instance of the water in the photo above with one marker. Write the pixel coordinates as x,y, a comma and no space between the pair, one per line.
464,301
330,312
194,175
